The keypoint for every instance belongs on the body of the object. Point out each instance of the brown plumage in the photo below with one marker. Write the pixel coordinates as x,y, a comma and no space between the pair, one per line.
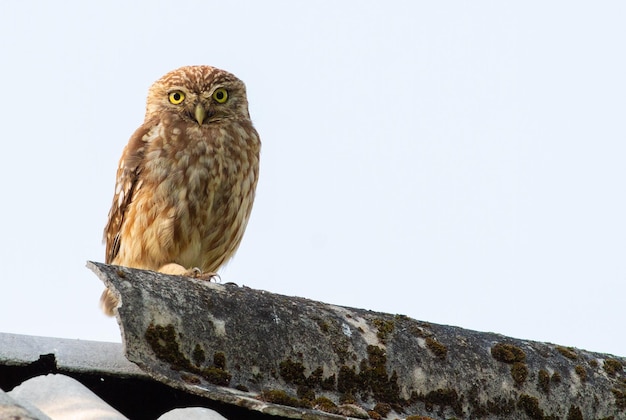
186,179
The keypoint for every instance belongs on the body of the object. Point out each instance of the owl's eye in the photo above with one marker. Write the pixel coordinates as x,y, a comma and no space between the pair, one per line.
220,95
176,97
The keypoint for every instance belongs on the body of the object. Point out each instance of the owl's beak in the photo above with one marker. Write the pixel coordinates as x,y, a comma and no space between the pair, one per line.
199,113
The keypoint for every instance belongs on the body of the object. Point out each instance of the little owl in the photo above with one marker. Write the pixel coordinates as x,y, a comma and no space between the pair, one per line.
186,179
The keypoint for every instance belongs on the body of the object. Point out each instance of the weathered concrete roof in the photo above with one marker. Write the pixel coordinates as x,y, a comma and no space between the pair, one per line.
24,356
299,358
69,355
94,379
251,354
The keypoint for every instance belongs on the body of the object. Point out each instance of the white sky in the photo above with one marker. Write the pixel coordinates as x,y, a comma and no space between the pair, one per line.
458,162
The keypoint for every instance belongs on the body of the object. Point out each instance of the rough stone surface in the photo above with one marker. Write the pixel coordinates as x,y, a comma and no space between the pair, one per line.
304,359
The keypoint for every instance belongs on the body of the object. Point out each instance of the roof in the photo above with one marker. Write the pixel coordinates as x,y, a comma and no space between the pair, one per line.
252,354
40,370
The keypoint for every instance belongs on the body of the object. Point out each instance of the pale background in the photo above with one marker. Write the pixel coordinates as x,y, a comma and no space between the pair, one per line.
459,162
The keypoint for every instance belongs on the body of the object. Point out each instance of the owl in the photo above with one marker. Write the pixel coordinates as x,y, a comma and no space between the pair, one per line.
186,179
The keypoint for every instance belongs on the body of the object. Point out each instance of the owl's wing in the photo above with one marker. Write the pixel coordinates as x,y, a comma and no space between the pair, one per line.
127,183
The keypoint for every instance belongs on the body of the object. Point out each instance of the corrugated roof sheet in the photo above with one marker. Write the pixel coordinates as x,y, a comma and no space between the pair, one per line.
61,378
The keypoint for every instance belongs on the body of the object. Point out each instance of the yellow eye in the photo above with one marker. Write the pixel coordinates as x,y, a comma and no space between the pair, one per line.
220,95
176,97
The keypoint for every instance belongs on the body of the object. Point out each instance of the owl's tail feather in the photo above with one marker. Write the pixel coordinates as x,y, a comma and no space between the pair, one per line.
108,302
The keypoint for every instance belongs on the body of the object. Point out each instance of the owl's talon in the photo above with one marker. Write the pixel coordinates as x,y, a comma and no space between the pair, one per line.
210,277
197,273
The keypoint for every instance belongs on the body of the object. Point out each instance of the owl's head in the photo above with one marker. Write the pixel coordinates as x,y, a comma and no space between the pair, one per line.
198,94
